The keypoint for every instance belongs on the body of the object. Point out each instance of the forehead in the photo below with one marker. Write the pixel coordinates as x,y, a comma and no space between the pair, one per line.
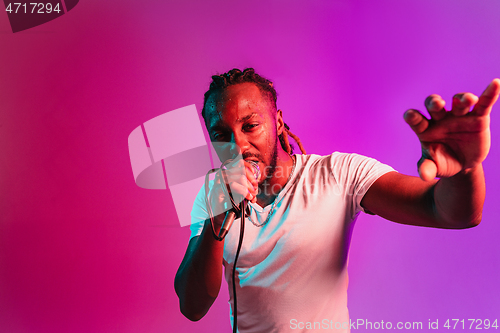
236,102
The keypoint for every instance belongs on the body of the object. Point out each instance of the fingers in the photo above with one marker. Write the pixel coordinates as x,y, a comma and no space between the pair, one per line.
487,98
462,103
435,106
241,180
417,122
241,192
457,133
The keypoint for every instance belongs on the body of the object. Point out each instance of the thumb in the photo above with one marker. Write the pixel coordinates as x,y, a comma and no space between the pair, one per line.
427,169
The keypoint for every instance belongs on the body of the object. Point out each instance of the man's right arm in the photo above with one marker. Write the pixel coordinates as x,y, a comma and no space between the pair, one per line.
198,279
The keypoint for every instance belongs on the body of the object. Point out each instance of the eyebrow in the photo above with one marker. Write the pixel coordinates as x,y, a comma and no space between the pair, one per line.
240,120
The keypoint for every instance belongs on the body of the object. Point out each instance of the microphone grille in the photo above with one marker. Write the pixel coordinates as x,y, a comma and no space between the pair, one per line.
256,168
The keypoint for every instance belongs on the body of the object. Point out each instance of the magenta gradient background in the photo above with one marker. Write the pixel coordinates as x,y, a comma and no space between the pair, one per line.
83,249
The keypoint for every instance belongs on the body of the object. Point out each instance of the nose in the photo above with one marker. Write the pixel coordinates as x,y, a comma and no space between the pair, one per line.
231,149
239,144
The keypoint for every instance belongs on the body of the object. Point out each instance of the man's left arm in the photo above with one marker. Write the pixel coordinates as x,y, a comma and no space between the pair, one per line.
454,145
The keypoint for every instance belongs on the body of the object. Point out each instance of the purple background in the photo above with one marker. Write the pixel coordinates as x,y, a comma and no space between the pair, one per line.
83,249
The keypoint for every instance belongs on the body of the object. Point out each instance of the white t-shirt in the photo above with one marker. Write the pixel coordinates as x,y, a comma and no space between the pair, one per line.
291,274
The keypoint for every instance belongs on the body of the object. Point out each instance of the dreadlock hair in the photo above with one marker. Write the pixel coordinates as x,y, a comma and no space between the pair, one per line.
235,76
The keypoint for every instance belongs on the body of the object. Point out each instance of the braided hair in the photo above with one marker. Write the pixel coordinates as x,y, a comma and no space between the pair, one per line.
235,76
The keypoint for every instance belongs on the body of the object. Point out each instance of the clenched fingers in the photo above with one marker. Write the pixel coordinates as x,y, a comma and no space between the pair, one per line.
462,103
416,120
435,106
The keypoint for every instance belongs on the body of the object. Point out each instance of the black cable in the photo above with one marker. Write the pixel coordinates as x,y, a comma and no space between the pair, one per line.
243,206
241,210
227,193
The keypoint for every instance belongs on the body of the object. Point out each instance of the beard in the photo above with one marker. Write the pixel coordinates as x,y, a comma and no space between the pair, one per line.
272,163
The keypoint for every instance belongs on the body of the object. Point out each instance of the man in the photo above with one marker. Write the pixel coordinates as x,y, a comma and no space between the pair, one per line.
292,269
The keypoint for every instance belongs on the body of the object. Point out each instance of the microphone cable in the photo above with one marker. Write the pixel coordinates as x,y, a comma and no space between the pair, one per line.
240,242
239,211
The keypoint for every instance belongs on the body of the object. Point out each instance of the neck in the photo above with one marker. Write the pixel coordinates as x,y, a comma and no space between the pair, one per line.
271,187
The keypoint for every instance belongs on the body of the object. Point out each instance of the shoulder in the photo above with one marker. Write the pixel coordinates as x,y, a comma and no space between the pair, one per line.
337,160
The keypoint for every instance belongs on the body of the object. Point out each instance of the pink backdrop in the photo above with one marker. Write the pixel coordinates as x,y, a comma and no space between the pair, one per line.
83,249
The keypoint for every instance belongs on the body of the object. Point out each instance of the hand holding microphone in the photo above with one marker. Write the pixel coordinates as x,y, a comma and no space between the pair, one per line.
242,179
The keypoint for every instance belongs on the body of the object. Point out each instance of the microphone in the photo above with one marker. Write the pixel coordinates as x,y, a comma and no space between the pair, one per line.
231,214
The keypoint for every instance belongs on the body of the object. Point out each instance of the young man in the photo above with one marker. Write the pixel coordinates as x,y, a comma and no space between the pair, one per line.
293,262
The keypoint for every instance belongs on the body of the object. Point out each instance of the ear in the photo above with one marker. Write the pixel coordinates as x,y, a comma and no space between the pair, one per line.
280,124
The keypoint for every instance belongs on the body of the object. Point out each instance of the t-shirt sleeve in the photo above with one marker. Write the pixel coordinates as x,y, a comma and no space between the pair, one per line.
199,213
356,173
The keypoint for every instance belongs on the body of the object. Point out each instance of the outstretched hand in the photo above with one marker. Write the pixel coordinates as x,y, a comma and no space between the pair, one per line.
456,140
